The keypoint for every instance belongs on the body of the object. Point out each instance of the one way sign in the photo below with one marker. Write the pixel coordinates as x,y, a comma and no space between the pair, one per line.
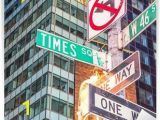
124,74
112,107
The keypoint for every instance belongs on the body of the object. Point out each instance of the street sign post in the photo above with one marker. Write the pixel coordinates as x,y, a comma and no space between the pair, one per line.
123,75
139,24
68,48
102,14
107,105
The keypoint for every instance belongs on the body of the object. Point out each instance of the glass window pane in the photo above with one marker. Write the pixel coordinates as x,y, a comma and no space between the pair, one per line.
56,82
70,111
33,88
54,104
141,95
63,108
71,88
71,68
63,84
73,11
66,7
147,78
45,80
80,14
73,28
37,107
31,111
59,21
57,61
149,99
59,3
65,24
43,103
64,63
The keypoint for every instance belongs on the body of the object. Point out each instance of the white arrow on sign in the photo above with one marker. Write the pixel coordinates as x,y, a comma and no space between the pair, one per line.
102,14
145,115
124,74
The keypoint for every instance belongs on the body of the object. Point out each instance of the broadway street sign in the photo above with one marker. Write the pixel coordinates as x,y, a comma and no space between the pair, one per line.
139,24
123,75
107,105
68,48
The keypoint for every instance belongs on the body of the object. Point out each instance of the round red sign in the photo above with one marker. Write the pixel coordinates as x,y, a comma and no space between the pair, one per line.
102,6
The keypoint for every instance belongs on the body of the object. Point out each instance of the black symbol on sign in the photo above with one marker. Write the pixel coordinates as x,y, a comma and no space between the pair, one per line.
109,2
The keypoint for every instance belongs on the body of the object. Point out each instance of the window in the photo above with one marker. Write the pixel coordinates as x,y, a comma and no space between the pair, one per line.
29,71
59,21
64,63
34,16
54,104
21,116
38,82
37,107
33,89
70,111
140,5
137,4
153,29
71,68
80,14
63,108
145,97
28,94
60,3
43,103
9,106
46,58
144,58
66,7
146,78
22,97
26,56
17,101
39,11
65,24
19,79
80,32
45,80
44,6
57,60
31,111
33,34
56,81
144,40
71,88
73,28
63,84
73,11
30,20
149,99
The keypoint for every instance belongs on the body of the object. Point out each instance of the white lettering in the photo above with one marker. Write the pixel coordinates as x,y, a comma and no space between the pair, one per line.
56,44
73,51
43,39
49,41
64,47
134,28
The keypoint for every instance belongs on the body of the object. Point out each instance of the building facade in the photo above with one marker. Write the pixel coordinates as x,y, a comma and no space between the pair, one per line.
47,79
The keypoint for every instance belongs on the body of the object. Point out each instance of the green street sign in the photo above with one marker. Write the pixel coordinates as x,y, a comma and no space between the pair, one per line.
68,48
139,24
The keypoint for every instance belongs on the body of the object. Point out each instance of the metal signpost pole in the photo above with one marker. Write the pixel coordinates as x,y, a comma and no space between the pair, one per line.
113,48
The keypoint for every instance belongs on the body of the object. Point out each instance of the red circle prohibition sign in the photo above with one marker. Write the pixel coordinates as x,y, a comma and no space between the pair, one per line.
114,11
